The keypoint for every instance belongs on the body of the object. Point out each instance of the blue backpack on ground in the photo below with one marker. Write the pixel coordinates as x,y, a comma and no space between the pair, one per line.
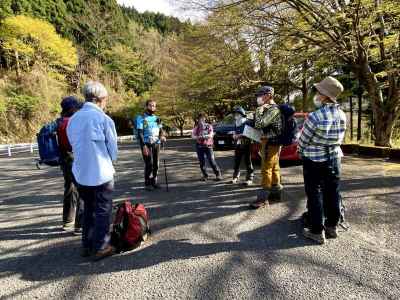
48,145
289,128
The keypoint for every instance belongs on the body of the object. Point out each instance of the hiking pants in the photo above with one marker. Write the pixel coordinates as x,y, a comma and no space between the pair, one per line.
270,170
72,204
322,186
151,164
243,152
97,215
203,153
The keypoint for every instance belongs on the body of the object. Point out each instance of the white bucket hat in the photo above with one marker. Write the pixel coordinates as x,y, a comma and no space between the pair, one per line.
330,87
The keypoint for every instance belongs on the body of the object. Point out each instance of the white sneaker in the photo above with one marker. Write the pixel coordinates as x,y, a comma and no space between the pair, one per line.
234,181
249,183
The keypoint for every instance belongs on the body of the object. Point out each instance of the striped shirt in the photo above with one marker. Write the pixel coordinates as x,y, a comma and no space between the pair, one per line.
323,133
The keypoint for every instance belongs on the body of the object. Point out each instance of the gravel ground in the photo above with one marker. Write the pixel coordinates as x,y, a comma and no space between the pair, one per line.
206,244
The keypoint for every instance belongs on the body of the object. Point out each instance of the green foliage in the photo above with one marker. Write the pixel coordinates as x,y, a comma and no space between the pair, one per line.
127,63
24,105
31,40
148,20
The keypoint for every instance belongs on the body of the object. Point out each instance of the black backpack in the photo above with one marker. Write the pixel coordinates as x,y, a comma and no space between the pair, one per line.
289,126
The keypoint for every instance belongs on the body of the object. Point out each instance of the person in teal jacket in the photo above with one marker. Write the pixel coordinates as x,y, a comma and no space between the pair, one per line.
150,135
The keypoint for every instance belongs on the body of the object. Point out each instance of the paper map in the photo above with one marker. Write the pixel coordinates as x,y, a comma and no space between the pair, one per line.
252,133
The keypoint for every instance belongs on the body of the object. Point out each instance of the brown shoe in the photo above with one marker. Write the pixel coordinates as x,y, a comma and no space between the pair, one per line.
331,232
108,251
316,237
259,203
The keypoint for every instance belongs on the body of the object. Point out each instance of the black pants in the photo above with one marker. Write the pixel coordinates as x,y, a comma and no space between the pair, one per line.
322,186
204,152
151,164
72,204
97,215
243,152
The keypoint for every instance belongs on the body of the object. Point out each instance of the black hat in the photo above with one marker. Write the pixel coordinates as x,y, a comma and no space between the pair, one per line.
264,90
69,103
239,110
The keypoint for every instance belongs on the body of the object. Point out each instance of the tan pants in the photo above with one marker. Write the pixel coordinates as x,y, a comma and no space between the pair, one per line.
270,170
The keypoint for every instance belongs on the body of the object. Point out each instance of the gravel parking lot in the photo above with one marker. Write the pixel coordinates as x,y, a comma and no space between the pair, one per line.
206,244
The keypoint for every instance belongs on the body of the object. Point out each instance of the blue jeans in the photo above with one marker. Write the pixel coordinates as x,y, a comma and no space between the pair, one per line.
204,152
97,215
322,186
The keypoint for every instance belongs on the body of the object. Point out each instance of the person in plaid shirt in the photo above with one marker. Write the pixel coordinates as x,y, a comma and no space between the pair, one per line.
268,118
319,146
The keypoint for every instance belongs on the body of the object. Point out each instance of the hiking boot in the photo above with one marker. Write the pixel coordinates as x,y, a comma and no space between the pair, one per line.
248,183
316,237
234,180
262,200
108,251
77,231
149,188
331,232
68,226
156,186
85,252
259,203
277,187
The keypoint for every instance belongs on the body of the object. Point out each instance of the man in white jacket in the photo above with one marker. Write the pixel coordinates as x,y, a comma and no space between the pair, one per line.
93,138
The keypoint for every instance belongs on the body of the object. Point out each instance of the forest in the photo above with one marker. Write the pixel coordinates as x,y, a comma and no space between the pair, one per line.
48,49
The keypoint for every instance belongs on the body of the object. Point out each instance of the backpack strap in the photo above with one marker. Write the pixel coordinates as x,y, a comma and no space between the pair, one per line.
128,207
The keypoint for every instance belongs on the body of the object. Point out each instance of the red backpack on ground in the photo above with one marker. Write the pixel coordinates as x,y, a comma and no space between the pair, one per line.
130,227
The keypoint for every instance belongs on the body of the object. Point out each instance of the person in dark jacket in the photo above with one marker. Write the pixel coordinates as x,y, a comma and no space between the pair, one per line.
243,146
72,204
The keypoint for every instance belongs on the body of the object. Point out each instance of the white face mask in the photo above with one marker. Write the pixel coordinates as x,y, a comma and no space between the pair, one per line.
240,121
317,101
260,101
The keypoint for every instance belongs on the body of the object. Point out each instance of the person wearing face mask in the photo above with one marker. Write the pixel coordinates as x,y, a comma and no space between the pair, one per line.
203,134
242,149
319,146
151,135
93,139
268,119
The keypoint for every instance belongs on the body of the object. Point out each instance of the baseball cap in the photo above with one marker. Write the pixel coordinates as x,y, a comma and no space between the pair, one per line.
264,90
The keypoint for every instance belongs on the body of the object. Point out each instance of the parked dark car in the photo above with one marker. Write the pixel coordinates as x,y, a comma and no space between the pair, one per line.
223,133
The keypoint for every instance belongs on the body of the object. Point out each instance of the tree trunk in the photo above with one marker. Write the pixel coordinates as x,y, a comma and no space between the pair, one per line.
385,111
304,87
351,117
18,70
359,117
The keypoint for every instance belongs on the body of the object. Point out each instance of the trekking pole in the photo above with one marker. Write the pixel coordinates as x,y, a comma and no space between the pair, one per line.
165,166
